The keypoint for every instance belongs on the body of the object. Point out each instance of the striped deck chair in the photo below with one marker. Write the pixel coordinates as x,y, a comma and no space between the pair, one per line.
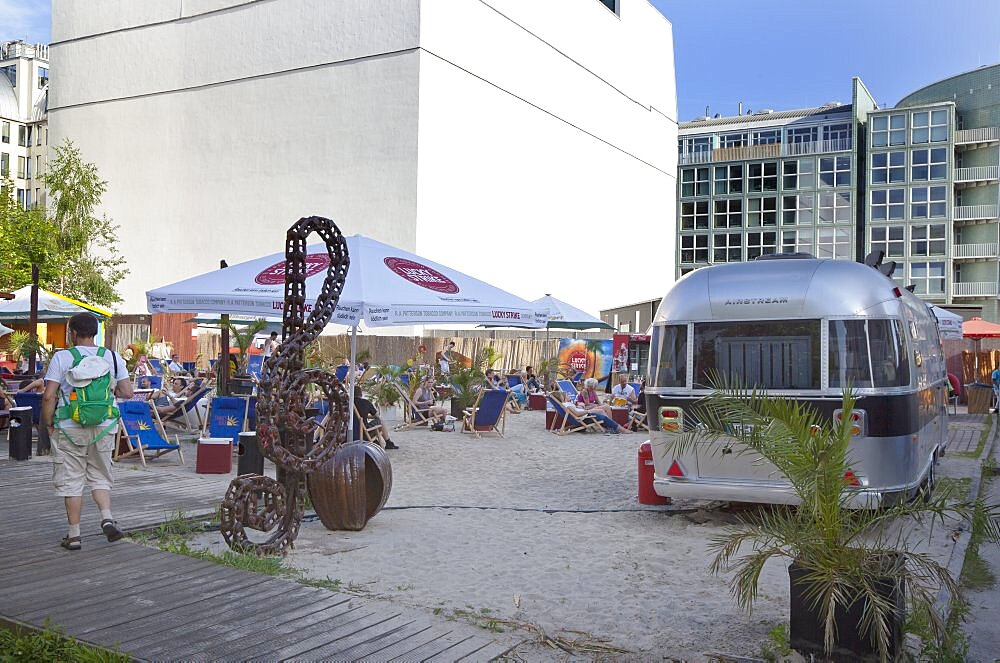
255,365
227,417
574,423
489,413
189,408
143,431
568,388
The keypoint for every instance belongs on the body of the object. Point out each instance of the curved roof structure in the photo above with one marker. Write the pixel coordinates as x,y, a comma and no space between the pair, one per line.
8,100
41,109
782,289
952,87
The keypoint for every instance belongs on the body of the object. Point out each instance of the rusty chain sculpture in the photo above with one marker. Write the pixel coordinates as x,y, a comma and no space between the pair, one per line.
283,428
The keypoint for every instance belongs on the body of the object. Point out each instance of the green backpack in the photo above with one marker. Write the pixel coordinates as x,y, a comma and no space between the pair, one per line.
93,404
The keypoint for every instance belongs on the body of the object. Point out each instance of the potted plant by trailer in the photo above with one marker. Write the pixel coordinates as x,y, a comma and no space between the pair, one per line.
853,571
466,383
242,333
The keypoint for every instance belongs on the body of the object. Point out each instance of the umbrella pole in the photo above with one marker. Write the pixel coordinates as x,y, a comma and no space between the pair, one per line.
352,373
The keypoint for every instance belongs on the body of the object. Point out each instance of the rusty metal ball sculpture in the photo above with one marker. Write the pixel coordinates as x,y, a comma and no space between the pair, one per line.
287,435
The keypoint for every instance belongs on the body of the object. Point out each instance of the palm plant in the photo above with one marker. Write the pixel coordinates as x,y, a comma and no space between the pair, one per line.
842,558
380,387
242,334
488,357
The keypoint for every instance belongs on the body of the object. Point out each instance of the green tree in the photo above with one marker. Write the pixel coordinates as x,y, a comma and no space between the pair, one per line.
26,237
87,262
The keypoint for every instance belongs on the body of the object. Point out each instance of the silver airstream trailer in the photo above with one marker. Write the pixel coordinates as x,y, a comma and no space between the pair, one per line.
805,329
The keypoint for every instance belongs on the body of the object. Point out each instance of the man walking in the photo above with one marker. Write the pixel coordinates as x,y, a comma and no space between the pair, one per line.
78,410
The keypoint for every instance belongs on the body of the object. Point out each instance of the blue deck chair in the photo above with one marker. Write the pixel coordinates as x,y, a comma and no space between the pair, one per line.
226,417
573,423
341,372
568,388
32,400
405,379
188,366
144,433
489,413
155,363
635,385
255,365
513,380
183,414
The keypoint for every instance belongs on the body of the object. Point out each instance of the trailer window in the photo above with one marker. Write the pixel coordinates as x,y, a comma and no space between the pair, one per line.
868,353
668,356
769,354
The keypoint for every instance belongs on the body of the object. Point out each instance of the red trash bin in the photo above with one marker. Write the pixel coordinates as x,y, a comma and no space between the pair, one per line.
646,493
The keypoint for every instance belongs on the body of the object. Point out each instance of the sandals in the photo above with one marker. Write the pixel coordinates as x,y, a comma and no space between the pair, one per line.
110,529
71,543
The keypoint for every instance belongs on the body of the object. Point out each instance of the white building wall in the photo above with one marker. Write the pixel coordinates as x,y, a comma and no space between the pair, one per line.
548,133
542,128
216,132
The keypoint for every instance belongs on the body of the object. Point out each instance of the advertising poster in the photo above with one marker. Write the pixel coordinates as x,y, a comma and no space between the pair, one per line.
592,358
620,363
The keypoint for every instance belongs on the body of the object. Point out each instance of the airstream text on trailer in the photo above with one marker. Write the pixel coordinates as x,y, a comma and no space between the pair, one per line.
805,329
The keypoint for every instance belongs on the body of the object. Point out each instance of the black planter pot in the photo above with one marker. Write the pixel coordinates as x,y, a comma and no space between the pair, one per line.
457,410
806,629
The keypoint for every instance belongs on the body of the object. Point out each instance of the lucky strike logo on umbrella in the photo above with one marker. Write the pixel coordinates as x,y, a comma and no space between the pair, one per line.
422,275
275,274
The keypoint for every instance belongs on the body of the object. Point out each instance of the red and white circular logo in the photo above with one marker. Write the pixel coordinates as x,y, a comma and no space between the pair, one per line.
275,274
422,275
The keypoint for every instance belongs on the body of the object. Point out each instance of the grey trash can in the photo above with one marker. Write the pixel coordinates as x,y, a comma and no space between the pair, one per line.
19,433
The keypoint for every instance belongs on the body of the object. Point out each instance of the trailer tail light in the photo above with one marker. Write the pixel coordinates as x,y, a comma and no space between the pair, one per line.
851,479
675,470
671,419
858,422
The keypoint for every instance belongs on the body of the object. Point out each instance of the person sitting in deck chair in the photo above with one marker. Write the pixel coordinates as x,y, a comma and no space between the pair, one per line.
423,400
370,418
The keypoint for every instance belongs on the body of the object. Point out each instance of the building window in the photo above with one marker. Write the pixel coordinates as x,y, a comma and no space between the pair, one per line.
888,167
5,132
797,241
833,243
888,204
694,215
20,167
888,130
729,213
727,247
928,277
38,135
928,202
930,126
801,134
929,164
798,210
762,176
839,132
43,77
927,240
4,164
22,136
694,248
38,166
834,171
799,174
10,71
694,182
702,145
835,207
762,212
761,243
889,240
733,140
766,137
28,168
729,179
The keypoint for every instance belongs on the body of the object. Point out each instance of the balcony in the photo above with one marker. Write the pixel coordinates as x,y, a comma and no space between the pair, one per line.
974,289
977,175
771,151
975,251
983,213
972,138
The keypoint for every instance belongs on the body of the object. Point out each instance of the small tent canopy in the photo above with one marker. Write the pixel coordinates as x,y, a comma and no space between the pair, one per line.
50,307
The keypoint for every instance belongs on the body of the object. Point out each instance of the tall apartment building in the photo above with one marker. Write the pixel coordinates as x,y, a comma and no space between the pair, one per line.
919,181
24,92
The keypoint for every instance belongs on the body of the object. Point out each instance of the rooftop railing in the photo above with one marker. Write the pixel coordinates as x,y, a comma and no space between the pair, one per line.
769,151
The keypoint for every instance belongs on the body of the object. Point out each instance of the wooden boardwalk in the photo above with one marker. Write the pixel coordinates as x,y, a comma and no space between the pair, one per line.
161,606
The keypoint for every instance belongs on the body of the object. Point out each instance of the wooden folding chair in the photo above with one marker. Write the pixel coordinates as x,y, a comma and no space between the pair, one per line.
488,415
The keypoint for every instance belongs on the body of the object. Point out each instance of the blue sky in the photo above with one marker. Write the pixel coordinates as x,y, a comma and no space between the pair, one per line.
774,53
784,54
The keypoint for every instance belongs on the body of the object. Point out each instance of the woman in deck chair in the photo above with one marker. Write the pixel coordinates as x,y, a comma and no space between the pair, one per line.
588,401
423,401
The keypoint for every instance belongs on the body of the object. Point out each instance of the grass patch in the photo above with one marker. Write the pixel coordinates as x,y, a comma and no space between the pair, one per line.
51,644
778,647
954,488
979,446
951,645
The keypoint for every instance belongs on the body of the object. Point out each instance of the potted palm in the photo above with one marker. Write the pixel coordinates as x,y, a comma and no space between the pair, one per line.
850,569
242,333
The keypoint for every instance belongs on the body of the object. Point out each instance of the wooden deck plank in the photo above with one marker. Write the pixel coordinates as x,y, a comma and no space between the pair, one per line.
492,650
408,638
450,642
339,635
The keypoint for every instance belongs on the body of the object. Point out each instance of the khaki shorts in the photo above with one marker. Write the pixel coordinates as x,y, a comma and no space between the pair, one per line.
80,463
